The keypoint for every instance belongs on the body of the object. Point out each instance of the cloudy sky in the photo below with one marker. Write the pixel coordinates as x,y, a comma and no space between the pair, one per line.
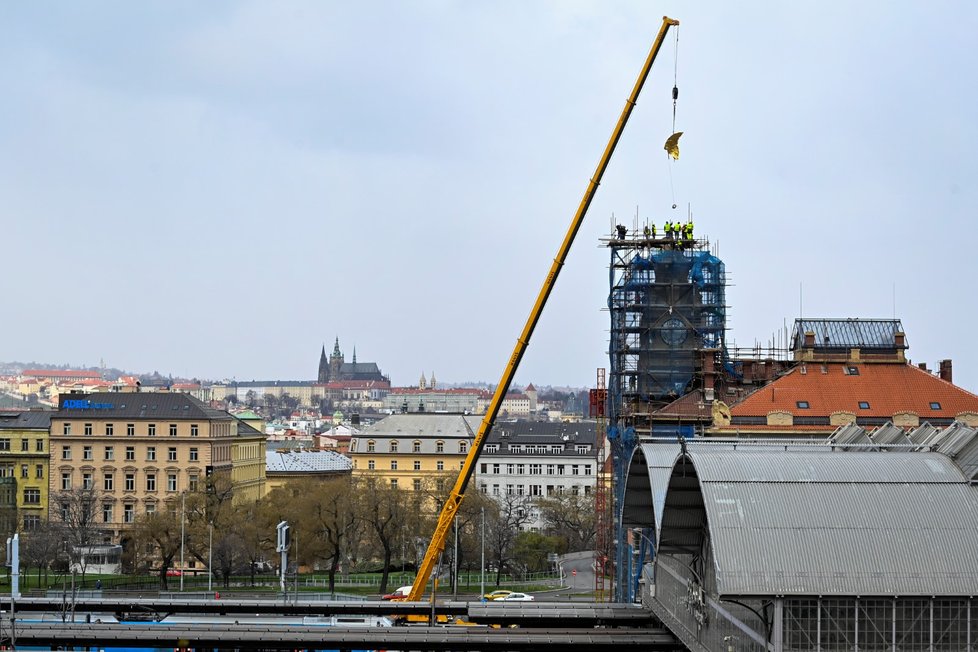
218,189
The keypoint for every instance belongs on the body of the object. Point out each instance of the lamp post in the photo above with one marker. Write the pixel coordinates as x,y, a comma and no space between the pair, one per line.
482,567
183,518
210,555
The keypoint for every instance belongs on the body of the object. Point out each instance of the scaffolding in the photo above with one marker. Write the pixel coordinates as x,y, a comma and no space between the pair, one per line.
668,321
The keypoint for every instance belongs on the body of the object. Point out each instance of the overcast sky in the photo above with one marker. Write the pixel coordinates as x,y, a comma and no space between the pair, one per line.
217,189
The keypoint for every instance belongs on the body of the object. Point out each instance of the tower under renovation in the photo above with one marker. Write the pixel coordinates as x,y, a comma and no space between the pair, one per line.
668,317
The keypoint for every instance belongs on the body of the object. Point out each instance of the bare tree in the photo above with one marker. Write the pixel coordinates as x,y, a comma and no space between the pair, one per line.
570,517
78,512
161,532
510,515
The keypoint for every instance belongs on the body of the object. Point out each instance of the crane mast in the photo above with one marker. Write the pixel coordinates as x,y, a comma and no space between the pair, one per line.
454,500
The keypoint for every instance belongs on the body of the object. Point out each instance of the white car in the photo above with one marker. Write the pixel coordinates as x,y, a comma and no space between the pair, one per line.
515,597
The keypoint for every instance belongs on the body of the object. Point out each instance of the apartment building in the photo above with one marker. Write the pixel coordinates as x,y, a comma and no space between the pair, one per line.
526,460
138,451
408,449
24,460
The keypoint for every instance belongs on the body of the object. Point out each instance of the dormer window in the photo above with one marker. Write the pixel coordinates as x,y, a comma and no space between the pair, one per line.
935,405
802,405
863,405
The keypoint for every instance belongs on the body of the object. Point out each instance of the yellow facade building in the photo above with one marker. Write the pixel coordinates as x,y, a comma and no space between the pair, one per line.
414,450
139,451
24,457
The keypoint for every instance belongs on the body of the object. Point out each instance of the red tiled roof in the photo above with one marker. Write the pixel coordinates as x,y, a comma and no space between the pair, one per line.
887,388
60,373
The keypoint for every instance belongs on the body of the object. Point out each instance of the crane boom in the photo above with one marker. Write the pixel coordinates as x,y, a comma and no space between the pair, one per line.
454,500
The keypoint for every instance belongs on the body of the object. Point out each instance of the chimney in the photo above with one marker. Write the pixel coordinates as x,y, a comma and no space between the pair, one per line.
900,340
945,372
922,366
809,340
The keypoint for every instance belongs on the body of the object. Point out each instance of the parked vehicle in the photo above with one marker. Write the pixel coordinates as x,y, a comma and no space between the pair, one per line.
398,594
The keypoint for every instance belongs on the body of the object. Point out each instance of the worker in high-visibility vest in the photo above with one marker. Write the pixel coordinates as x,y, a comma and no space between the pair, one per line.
653,229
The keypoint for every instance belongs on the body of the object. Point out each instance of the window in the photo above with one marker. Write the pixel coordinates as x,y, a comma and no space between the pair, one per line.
88,428
171,482
173,430
393,465
66,429
25,445
151,453
440,465
87,453
560,469
130,453
417,484
194,430
416,446
394,483
107,513
852,371
66,452
39,471
803,405
581,449
587,469
150,485
495,490
370,465
128,513
171,454
440,485
863,405
935,405
130,429
535,490
151,430
536,469
520,490
394,446
109,429
194,480
463,446
151,507
495,469
492,448
440,447
417,465
65,481
40,446
193,455
24,473
483,468
109,453
550,469
371,446
108,482
130,482
31,521
574,469
87,482
510,469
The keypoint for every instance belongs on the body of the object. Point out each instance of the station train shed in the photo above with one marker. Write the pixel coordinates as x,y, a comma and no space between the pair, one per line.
865,541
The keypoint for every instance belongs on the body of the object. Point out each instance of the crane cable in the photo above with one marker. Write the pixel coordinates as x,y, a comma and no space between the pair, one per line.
670,157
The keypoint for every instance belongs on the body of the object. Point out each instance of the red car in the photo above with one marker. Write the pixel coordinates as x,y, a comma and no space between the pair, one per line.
398,594
173,572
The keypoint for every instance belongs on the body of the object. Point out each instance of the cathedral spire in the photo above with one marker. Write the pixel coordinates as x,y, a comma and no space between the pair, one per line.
323,366
354,354
336,346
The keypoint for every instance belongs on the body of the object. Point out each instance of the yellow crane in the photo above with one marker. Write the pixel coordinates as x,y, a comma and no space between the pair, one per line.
454,501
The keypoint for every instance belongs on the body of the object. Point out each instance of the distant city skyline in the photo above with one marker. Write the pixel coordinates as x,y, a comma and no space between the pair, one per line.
218,189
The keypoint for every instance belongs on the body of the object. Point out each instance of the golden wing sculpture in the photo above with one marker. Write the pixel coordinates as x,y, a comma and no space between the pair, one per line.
672,145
